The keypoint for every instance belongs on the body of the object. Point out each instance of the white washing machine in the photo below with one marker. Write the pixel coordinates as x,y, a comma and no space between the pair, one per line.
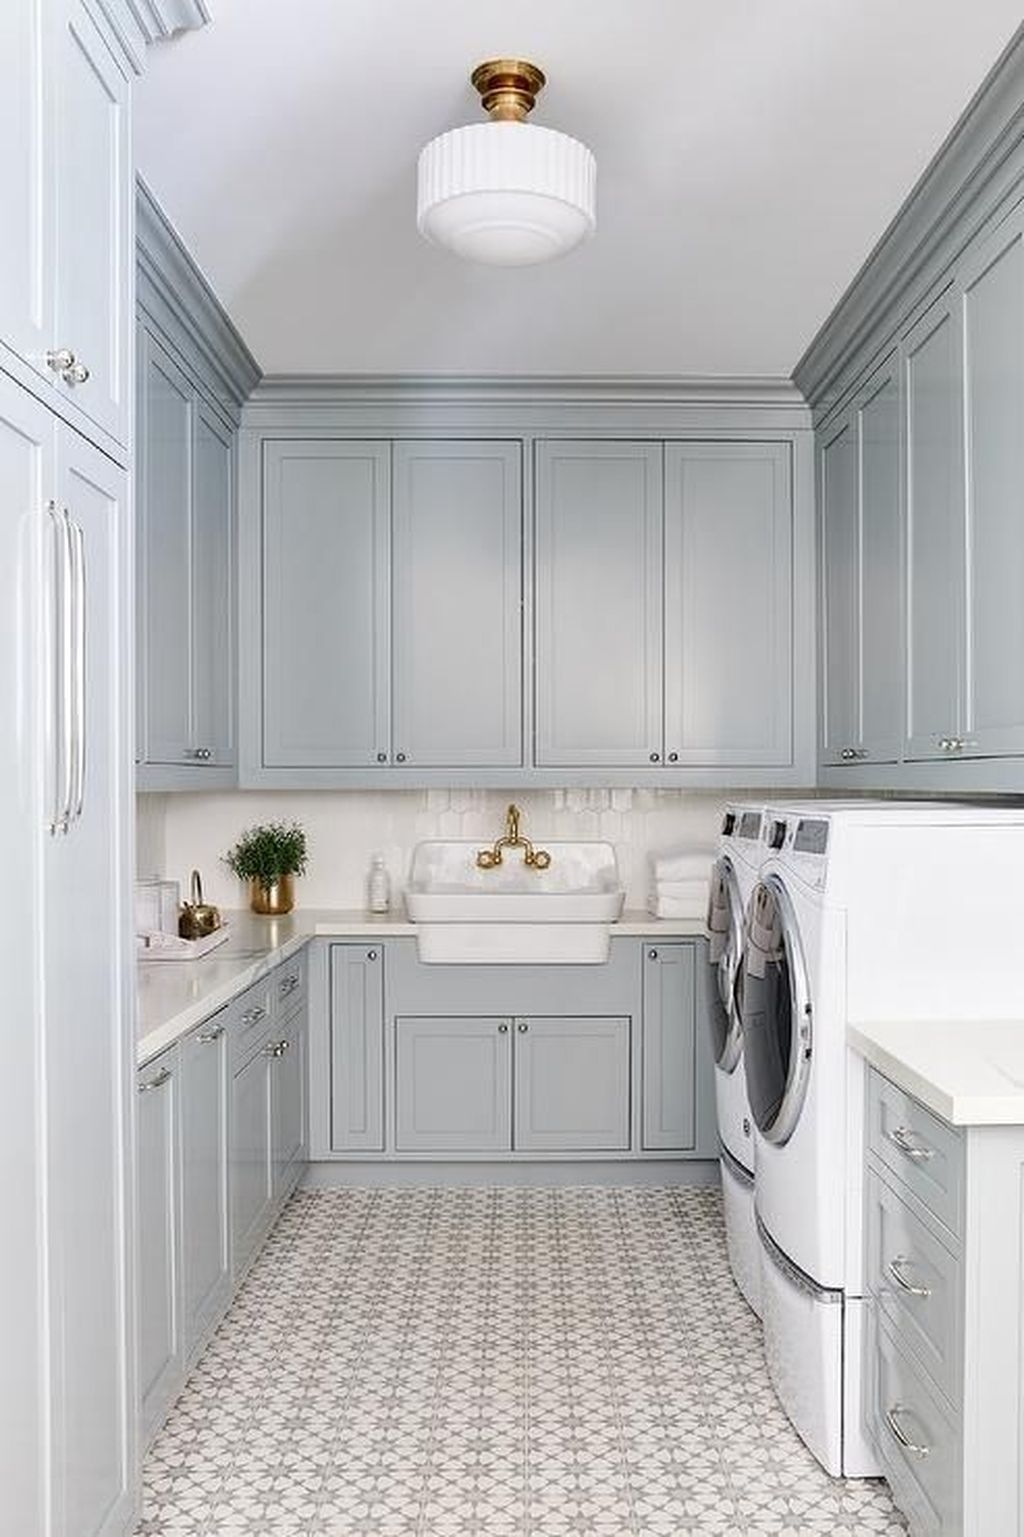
861,912
733,877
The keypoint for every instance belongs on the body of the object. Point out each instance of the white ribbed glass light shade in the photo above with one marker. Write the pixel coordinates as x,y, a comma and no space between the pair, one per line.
506,193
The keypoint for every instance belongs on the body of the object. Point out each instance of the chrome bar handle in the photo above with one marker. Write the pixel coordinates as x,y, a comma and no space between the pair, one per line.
895,1269
164,1076
62,766
208,1036
79,740
901,1136
899,1434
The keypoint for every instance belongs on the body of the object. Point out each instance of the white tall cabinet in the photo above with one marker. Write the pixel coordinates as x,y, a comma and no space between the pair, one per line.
68,1405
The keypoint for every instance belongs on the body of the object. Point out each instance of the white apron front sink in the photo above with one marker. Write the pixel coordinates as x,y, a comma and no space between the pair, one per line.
561,915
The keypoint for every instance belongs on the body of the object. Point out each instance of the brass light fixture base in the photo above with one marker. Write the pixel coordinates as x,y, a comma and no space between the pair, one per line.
508,88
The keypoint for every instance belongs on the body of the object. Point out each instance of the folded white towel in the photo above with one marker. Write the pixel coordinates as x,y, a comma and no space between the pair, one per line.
678,907
699,884
681,865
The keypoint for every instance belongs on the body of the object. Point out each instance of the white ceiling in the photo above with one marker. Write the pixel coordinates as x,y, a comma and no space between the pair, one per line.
750,153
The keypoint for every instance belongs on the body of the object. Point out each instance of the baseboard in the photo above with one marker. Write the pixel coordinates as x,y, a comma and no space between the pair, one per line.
333,1176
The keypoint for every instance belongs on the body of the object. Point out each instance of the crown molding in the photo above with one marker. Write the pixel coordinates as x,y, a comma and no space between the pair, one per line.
167,271
138,23
977,171
556,389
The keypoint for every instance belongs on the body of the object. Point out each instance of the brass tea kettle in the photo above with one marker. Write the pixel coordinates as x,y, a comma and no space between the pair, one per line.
197,918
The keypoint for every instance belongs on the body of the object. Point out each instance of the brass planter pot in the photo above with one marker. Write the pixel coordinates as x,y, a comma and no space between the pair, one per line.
275,899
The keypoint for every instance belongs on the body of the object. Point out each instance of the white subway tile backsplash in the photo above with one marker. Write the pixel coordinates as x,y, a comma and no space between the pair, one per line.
345,828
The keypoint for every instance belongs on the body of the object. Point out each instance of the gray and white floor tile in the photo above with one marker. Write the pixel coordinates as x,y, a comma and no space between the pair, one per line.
493,1363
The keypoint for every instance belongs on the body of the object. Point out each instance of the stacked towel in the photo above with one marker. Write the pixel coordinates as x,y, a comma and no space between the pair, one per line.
679,883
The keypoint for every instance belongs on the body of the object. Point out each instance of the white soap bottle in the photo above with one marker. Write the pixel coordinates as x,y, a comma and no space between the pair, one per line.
378,886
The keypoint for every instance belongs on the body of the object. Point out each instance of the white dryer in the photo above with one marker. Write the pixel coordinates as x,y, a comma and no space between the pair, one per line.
733,877
861,912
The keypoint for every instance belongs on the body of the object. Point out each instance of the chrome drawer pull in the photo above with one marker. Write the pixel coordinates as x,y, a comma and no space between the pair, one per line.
276,1048
164,1076
212,1035
902,1137
895,1270
253,1016
289,984
899,1434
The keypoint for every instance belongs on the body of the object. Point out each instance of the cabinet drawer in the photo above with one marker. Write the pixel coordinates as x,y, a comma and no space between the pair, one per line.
917,1437
289,986
915,1283
249,1019
924,1154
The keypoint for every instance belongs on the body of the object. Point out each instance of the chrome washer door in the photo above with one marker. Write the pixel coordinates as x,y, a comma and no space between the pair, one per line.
725,943
775,1007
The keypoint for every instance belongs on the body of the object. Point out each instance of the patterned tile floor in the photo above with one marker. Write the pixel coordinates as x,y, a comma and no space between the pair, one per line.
493,1363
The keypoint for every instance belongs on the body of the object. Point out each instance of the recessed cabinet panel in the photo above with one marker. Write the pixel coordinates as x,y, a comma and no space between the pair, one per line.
325,548
212,606
728,604
164,471
26,191
994,377
453,1085
158,1196
251,1186
935,529
457,596
571,1085
840,565
599,641
357,1048
288,1101
669,1047
881,617
94,189
206,1260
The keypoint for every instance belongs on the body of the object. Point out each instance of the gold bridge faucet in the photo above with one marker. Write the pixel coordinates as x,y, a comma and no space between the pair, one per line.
490,859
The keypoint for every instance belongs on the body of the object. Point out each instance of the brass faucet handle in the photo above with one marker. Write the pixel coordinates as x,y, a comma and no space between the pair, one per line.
488,859
538,858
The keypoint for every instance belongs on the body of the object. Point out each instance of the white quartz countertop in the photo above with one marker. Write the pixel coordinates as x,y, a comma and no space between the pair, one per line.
969,1072
174,996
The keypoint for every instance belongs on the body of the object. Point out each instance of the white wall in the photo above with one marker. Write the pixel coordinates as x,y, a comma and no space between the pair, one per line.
177,832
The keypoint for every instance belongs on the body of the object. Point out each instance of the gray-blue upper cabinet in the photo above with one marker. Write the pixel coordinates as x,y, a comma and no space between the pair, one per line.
185,552
728,605
65,280
932,362
325,554
599,604
861,554
457,594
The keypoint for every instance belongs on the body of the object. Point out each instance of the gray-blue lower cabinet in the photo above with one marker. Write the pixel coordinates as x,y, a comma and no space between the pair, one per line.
287,1104
502,1061
251,1188
669,1047
158,1166
206,1248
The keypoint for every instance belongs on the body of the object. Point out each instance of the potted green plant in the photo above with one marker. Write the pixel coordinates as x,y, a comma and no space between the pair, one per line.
269,857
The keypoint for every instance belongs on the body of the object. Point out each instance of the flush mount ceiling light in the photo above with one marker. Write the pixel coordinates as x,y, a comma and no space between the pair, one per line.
506,192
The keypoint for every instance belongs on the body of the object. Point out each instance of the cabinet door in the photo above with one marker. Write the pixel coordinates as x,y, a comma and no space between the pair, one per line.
880,620
357,1048
288,1103
250,1180
840,562
599,604
728,606
26,180
26,482
161,1355
572,1085
325,547
212,729
206,1256
88,1042
166,402
454,1088
94,217
669,1047
933,369
457,595
993,313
